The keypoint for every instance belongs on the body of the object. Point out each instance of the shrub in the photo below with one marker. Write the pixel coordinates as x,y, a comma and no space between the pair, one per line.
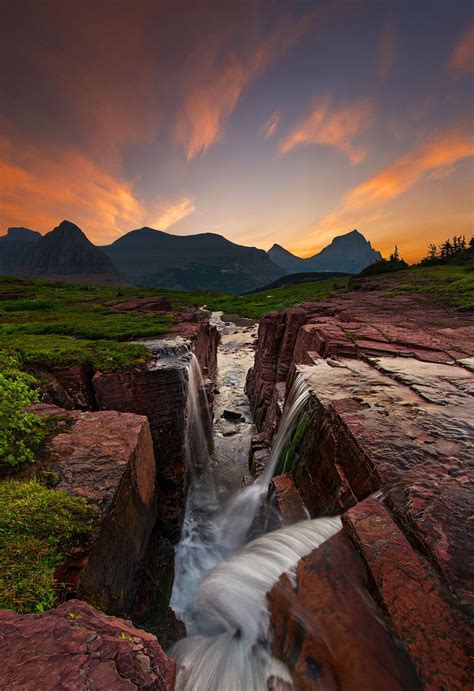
21,432
37,528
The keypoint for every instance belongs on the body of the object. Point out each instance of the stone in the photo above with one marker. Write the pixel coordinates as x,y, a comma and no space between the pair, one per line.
77,647
329,632
233,415
421,610
107,458
286,498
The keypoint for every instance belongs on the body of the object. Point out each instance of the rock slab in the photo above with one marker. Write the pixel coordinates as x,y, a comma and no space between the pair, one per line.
76,647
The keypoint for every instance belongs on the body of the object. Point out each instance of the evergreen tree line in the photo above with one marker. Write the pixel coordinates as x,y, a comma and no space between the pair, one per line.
454,249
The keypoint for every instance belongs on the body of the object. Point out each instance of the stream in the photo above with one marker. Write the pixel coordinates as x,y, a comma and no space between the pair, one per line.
221,578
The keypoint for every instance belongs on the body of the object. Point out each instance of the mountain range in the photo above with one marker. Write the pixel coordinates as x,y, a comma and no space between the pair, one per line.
349,253
205,261
64,254
148,257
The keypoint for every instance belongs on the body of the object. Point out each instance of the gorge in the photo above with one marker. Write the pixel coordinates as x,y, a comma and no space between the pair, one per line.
284,504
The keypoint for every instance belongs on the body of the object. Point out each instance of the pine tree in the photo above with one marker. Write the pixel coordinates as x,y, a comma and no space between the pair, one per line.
395,257
446,249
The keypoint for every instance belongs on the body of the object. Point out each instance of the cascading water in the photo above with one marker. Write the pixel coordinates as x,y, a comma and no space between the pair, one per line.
220,585
197,418
230,650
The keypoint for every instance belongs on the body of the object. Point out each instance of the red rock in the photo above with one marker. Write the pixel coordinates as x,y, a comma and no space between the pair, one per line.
107,458
158,394
355,324
77,384
422,616
438,513
328,630
262,377
76,647
284,495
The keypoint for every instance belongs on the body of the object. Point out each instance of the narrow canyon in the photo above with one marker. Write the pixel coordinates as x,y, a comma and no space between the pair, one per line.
280,505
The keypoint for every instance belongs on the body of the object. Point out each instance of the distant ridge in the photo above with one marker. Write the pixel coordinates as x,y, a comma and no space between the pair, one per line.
152,258
348,253
63,254
205,261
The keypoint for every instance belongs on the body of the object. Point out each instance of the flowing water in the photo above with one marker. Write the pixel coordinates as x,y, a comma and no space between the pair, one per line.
221,579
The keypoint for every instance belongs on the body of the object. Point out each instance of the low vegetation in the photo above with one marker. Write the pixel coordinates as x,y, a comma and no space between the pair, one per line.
451,285
38,527
21,432
385,266
49,323
257,304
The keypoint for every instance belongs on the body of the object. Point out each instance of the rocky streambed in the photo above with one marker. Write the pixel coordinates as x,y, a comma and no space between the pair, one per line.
362,408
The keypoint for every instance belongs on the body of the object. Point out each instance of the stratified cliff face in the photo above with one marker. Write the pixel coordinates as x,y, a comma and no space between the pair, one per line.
157,391
124,451
385,440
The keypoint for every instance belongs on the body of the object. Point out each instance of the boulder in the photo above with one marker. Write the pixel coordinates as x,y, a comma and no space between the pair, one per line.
107,458
77,647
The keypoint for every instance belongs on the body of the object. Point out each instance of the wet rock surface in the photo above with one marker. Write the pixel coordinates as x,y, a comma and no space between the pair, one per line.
329,631
77,647
390,412
286,498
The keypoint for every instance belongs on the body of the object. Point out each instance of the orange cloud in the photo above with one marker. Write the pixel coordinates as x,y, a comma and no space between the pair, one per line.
39,189
208,104
169,214
462,57
367,200
221,76
386,49
330,126
271,125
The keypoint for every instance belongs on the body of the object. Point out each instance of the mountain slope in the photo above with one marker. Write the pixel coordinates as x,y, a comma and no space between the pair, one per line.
17,250
205,261
298,278
65,253
349,253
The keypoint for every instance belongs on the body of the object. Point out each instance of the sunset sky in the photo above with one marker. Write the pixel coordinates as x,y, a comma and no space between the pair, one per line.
265,121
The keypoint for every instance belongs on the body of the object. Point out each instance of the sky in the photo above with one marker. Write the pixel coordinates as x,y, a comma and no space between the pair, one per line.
262,120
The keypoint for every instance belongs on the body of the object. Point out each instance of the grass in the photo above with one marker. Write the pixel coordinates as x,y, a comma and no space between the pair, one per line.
53,350
38,527
449,285
49,323
258,304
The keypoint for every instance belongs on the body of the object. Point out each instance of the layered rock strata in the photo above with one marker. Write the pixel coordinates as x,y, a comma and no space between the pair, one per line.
107,458
390,413
366,611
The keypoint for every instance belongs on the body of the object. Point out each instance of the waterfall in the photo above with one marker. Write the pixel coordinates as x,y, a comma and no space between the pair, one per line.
220,581
241,510
212,532
197,418
230,649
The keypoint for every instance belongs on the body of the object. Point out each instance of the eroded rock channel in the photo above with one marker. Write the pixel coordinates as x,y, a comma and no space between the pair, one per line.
287,511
